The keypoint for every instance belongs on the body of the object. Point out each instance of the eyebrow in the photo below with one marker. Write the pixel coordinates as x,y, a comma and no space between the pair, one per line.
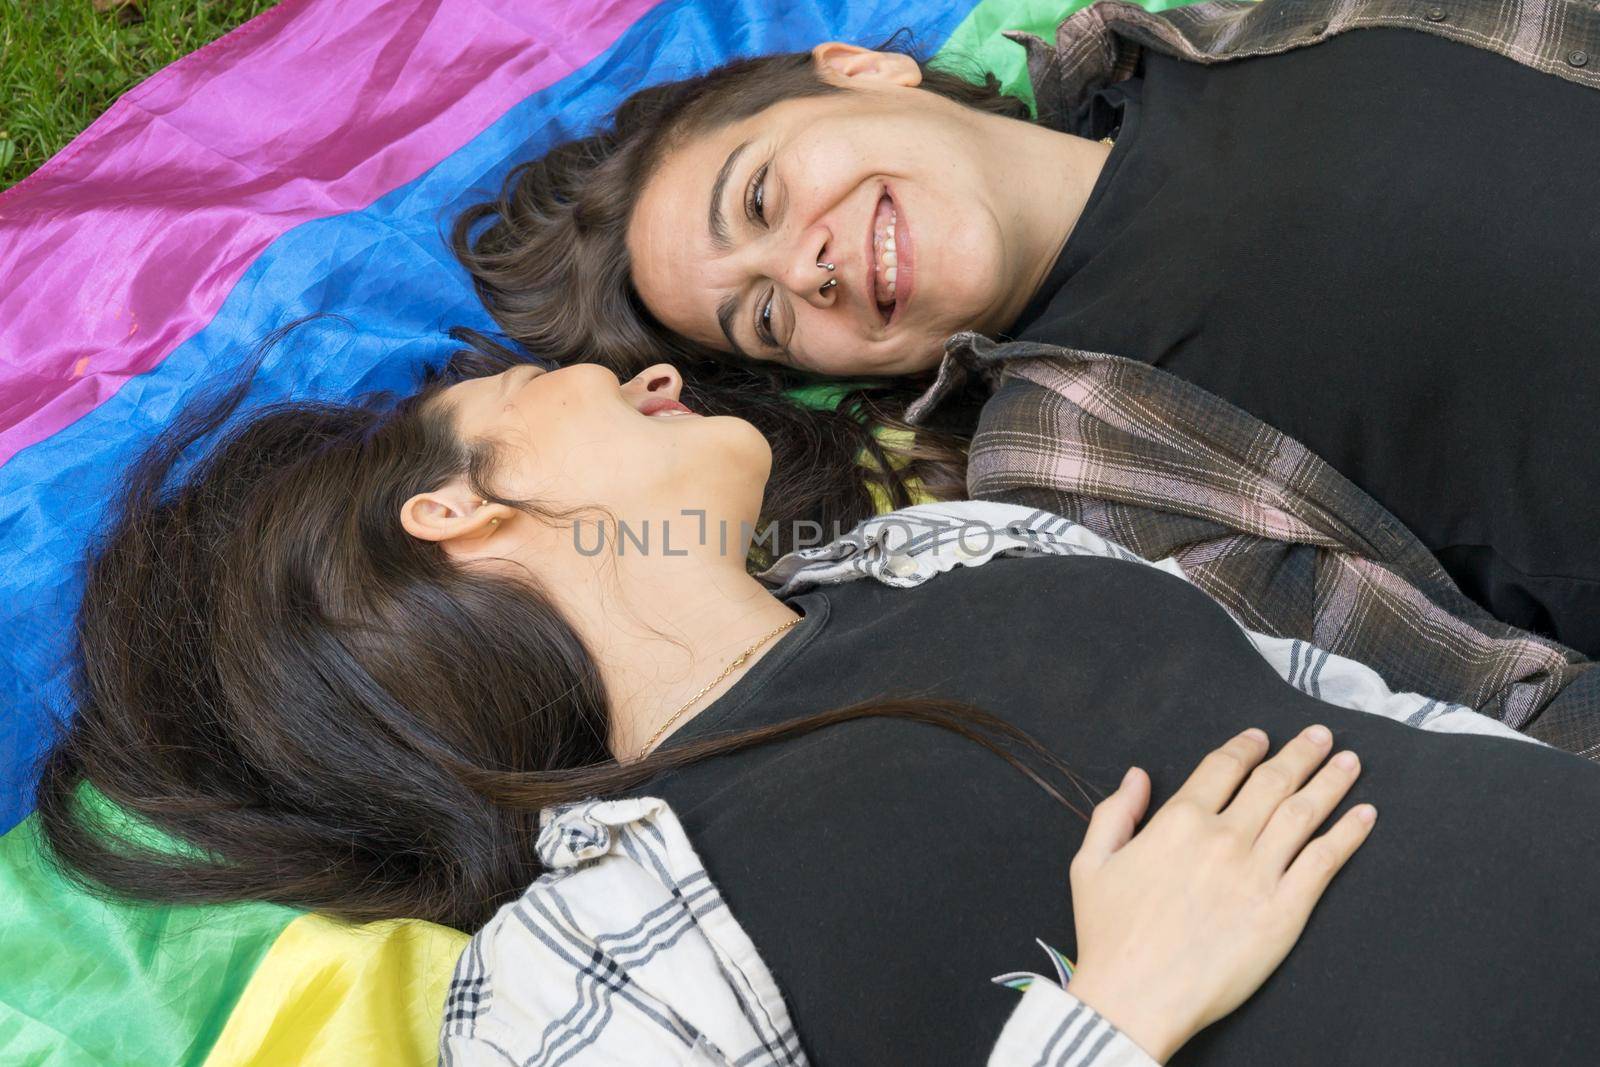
715,219
725,314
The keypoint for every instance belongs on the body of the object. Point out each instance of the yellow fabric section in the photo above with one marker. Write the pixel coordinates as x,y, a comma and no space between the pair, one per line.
329,992
894,441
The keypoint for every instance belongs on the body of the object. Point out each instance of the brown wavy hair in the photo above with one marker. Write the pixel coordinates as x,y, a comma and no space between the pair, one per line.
324,712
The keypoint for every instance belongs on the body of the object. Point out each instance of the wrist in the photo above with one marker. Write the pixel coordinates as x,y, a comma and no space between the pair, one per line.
1132,1010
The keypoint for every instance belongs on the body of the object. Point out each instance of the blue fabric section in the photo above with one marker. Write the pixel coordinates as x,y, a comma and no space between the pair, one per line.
385,269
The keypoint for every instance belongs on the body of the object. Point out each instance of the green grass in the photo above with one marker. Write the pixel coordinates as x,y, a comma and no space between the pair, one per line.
62,63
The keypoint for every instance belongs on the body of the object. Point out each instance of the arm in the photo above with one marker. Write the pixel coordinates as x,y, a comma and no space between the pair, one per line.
1180,923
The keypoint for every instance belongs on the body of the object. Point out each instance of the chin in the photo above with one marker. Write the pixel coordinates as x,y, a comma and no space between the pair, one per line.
734,445
750,445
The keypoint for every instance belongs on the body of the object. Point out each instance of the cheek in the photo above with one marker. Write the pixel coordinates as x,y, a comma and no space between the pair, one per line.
957,251
833,346
826,157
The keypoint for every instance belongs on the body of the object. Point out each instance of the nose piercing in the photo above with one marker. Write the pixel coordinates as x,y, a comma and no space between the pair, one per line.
831,282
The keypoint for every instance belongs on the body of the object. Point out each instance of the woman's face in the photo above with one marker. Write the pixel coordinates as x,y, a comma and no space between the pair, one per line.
577,437
882,181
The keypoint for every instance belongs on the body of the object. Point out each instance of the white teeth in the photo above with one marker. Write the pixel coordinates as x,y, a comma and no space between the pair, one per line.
883,243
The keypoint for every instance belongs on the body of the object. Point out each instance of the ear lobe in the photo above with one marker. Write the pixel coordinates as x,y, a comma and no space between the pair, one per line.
847,64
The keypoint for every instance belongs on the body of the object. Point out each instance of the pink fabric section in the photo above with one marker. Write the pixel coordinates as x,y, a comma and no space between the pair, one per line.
140,228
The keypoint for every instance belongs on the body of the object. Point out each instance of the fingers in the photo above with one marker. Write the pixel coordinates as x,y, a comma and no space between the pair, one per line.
1302,884
1272,783
1114,818
1219,774
1297,818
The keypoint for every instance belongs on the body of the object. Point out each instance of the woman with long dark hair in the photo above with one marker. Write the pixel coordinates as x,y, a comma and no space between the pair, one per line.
1288,290
346,655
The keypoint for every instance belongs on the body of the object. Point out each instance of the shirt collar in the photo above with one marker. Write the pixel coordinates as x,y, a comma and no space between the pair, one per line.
960,360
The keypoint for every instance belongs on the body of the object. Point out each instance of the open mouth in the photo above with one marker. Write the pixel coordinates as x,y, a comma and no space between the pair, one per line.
885,257
662,408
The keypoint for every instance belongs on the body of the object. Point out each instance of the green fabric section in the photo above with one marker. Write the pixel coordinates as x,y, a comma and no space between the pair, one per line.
976,43
84,981
826,395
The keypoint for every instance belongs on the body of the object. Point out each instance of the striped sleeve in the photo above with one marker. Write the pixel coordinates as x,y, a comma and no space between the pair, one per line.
1052,1028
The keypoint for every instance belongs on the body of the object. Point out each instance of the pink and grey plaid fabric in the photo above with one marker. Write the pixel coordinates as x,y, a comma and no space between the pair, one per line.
1288,545
1283,541
1101,43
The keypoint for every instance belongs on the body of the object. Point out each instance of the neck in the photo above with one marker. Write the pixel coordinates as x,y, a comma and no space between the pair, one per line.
661,627
1049,176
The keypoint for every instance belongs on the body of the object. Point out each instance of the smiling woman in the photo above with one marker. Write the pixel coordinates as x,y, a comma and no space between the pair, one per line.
851,232
758,210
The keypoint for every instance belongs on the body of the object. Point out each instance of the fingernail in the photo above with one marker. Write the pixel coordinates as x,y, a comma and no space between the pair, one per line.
1126,778
1319,735
1346,761
1366,813
1258,736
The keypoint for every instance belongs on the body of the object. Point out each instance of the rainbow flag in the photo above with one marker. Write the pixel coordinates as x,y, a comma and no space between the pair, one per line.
307,162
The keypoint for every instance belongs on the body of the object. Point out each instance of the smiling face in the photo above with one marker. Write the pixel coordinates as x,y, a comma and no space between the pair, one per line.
881,181
578,438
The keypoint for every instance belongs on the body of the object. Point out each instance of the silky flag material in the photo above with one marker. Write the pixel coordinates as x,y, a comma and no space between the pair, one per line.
308,162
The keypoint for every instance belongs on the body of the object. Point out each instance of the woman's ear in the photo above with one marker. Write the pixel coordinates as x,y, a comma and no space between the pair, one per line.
847,64
449,514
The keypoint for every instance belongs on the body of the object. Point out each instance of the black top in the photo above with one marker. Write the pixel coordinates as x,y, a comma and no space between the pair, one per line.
1388,247
886,870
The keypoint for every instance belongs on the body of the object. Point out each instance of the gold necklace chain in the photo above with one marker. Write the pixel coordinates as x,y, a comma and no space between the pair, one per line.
729,669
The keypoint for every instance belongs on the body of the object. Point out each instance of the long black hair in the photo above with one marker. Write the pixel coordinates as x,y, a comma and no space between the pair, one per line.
322,710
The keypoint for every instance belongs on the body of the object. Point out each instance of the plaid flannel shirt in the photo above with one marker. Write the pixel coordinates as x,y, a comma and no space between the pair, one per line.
1285,543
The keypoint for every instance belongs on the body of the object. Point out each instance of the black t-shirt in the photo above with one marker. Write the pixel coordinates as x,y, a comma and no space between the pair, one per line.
886,870
1388,247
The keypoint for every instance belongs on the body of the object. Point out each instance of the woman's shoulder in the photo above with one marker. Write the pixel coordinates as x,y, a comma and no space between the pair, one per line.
598,953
